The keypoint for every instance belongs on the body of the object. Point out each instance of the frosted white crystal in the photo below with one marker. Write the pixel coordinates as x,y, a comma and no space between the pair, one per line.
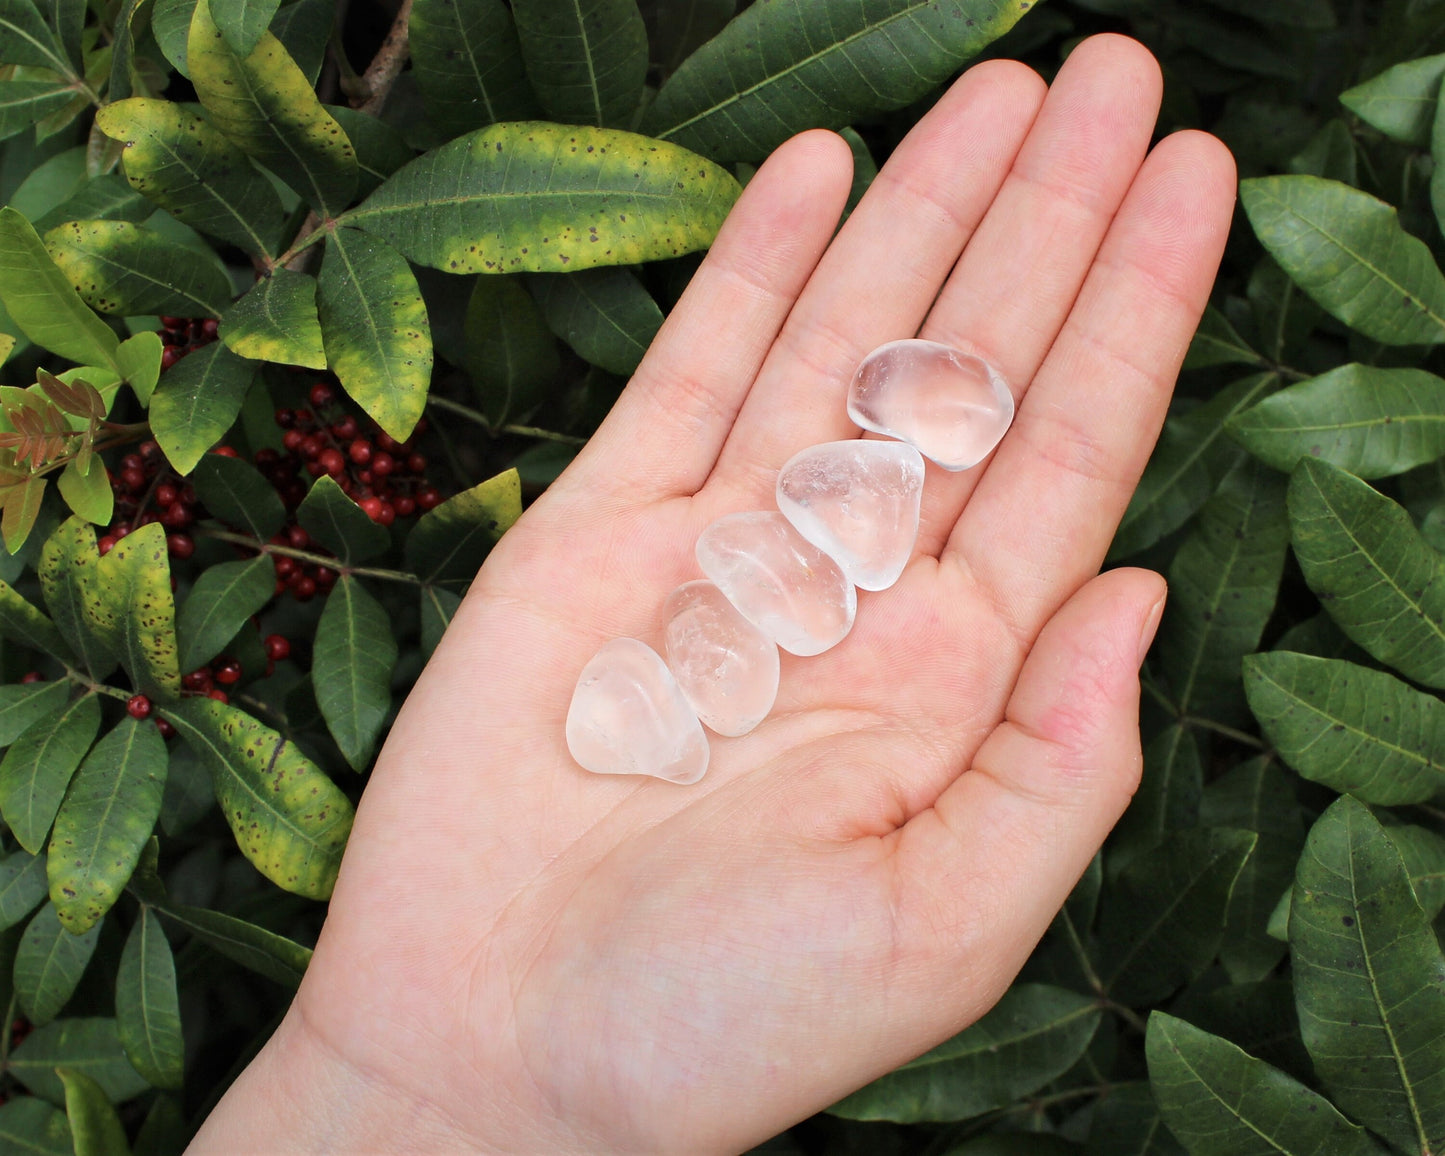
953,406
783,584
858,502
727,667
629,717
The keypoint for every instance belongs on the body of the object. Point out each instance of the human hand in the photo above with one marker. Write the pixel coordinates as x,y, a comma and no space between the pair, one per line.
524,957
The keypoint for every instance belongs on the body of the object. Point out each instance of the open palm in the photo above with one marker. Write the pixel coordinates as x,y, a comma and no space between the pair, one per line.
522,956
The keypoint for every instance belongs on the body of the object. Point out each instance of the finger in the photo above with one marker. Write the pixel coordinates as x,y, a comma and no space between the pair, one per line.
1021,272
982,872
670,422
1039,523
882,272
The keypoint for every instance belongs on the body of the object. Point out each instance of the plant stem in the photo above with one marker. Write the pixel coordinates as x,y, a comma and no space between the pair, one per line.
524,431
1076,945
1229,732
307,556
94,687
386,65
1128,1015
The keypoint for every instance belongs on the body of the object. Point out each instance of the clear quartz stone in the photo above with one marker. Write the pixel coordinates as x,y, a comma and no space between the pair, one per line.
858,502
629,717
783,584
727,667
953,406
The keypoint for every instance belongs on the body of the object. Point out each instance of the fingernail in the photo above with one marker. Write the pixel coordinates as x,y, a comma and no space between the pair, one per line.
1150,627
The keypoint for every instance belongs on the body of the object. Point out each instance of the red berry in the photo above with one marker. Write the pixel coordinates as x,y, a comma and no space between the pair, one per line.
305,418
359,451
209,327
149,450
311,445
170,356
180,546
119,532
386,515
147,518
134,478
421,427
285,566
177,516
166,494
364,477
225,451
385,440
315,469
322,395
332,462
138,707
285,418
405,506
416,463
280,586
325,577
229,672
32,676
172,322
304,590
197,681
266,456
166,729
278,646
382,464
106,544
428,498
292,439
345,429
132,462
371,507
218,695
297,538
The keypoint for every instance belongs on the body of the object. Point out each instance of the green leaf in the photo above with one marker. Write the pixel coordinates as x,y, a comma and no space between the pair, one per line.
1167,798
1351,728
1400,102
88,494
1162,922
67,18
188,796
1223,583
147,1008
677,28
375,331
1373,422
262,951
23,704
1369,980
304,27
134,611
197,402
1034,1034
25,39
235,492
438,608
1255,796
94,1125
510,353
37,769
1258,1017
41,301
1127,1123
263,102
604,314
243,21
21,622
171,25
120,267
452,540
1377,578
22,886
108,814
380,148
586,59
276,321
1222,1102
219,604
1348,252
1186,467
165,1130
1423,852
23,102
531,197
191,170
88,1045
1217,342
22,508
139,362
49,965
826,64
468,64
339,524
288,818
28,1124
1330,153
352,660
68,570
103,198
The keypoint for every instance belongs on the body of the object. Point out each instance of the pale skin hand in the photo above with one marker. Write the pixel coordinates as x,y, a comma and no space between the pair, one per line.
524,957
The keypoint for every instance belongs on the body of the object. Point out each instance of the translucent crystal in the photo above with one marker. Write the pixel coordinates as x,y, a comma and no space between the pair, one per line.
727,667
629,717
953,406
783,584
857,501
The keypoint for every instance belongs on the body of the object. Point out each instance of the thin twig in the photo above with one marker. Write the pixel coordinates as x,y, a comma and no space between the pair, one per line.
307,556
523,431
1229,732
386,65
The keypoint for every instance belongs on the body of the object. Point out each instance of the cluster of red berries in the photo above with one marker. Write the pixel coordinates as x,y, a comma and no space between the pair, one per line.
146,491
209,681
183,335
385,477
305,579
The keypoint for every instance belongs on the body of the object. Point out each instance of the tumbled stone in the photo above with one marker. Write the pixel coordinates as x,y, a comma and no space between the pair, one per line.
858,502
783,584
727,667
953,406
629,717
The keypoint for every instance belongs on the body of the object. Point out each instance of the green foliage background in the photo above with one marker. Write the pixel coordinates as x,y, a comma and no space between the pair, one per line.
1251,965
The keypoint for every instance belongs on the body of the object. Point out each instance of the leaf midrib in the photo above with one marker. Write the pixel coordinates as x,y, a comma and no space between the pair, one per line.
127,270
993,1044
